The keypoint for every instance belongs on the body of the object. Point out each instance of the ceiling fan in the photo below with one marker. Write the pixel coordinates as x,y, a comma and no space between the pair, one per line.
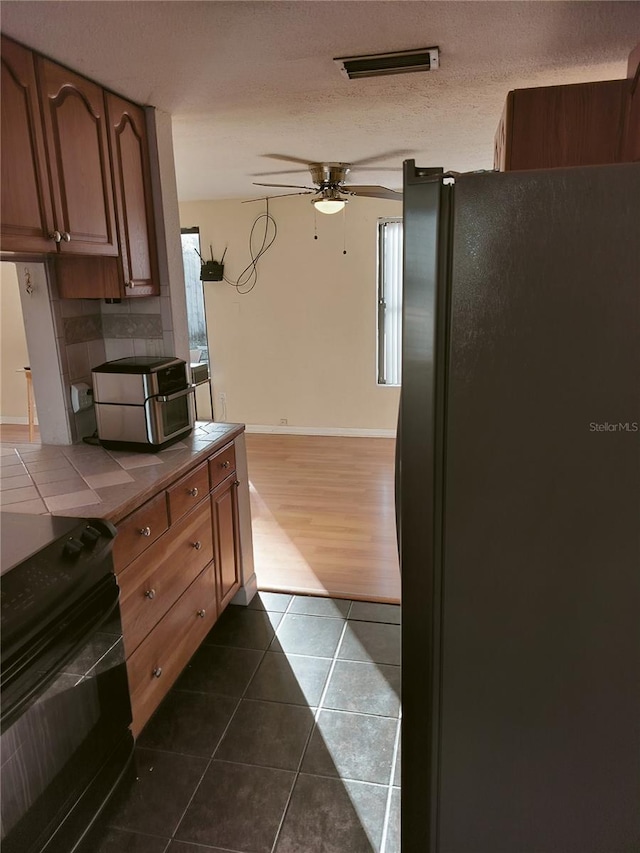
331,188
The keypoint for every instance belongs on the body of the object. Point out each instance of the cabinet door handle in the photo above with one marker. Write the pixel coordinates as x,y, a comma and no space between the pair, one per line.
202,613
145,531
56,236
225,464
66,236
193,492
150,594
157,672
197,545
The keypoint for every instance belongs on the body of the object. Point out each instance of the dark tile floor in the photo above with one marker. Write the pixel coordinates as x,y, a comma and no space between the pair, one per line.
281,736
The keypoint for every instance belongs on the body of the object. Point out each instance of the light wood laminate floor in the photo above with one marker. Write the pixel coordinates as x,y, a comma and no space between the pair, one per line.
323,515
18,434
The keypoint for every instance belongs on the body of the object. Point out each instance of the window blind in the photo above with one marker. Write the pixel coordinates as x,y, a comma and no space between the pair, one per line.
389,301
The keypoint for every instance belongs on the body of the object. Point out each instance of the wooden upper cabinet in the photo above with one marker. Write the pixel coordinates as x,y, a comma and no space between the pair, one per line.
133,195
73,110
26,212
581,124
631,143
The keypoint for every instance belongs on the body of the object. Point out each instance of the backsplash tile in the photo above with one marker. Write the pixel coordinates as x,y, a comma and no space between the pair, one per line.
78,361
85,327
132,326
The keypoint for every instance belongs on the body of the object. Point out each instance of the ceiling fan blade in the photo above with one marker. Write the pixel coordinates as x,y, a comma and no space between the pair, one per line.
288,159
283,172
374,192
400,154
289,186
282,195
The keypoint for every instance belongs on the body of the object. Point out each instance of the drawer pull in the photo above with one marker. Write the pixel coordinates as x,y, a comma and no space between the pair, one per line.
193,492
150,593
202,613
157,672
145,531
225,464
197,545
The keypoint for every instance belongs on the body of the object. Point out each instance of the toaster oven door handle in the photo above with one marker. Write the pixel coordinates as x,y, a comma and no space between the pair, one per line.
166,398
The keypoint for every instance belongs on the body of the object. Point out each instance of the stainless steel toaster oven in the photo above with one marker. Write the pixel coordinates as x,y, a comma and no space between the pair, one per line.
143,402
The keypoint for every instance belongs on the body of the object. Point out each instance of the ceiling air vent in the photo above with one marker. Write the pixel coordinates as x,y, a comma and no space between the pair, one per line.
401,62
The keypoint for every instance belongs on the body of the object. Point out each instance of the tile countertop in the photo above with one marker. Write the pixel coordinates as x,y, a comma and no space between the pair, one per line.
86,481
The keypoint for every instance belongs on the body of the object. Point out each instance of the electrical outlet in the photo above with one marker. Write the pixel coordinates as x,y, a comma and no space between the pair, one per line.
283,422
222,398
81,397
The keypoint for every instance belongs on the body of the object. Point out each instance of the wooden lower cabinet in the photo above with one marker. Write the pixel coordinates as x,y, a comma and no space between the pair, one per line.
178,561
160,658
139,530
152,584
224,507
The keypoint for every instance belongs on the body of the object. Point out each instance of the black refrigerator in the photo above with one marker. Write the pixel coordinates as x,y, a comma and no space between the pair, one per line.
518,501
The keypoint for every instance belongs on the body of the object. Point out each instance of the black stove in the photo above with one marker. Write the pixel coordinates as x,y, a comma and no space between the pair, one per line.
48,563
64,699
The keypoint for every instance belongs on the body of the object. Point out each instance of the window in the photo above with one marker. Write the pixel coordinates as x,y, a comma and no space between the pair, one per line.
196,321
389,301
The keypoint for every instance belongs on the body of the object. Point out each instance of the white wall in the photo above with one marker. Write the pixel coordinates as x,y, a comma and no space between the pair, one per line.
302,345
13,349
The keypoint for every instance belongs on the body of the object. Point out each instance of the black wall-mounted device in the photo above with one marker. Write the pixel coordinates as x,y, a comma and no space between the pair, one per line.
211,271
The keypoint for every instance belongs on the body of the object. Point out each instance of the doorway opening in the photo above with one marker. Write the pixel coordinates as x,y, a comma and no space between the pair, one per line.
197,322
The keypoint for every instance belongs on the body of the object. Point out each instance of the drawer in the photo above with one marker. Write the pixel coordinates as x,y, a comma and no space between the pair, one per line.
187,492
139,530
158,661
222,464
156,579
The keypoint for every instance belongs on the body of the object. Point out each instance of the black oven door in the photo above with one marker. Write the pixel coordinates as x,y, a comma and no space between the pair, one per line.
170,415
65,740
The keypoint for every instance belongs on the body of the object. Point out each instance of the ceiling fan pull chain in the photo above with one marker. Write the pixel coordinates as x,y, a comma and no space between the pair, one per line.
344,230
315,223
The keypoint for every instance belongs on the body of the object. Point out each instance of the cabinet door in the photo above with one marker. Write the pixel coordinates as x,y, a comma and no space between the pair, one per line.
76,141
631,141
224,505
134,202
27,216
580,124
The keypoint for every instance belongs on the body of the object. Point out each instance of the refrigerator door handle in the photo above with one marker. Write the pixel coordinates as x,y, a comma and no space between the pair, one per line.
398,483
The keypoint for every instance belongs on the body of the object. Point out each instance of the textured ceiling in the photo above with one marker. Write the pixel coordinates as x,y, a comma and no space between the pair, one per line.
247,79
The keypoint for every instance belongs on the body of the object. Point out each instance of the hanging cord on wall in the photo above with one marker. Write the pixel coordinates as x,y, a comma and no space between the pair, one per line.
248,278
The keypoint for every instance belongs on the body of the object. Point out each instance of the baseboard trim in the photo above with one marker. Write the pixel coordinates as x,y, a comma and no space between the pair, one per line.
340,431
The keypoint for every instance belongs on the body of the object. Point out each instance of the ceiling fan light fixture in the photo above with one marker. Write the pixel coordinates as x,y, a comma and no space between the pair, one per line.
379,64
329,205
